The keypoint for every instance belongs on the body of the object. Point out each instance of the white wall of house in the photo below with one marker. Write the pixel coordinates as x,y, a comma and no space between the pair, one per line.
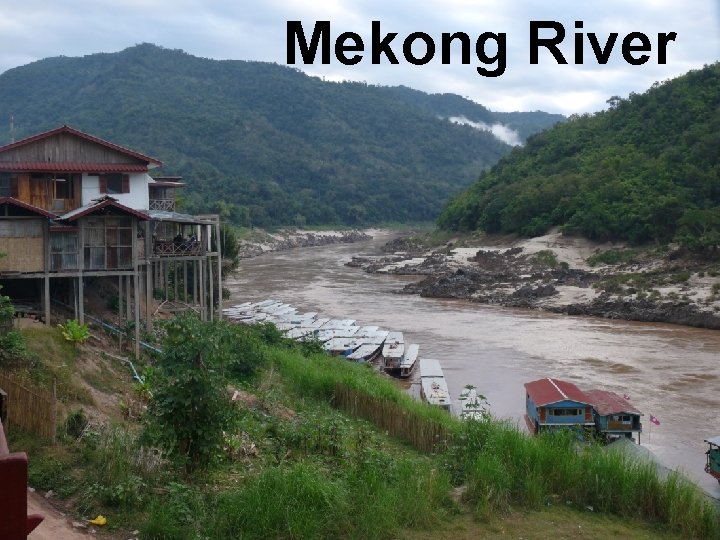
138,198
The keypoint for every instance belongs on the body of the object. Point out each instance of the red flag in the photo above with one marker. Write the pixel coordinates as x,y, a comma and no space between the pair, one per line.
654,420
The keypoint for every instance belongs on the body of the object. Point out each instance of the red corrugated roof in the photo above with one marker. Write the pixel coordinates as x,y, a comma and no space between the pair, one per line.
83,135
28,207
93,207
50,166
606,402
547,391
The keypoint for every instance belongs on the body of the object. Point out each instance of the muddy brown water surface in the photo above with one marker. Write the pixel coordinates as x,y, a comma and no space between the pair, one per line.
670,372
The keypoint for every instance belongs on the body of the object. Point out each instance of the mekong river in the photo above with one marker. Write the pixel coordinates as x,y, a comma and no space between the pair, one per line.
671,372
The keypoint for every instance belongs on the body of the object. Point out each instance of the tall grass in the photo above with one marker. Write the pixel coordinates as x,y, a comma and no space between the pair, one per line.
501,466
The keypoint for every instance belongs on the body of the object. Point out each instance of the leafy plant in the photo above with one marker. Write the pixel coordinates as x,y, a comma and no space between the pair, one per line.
74,332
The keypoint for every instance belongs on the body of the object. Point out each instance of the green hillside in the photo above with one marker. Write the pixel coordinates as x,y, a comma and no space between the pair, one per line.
647,169
275,145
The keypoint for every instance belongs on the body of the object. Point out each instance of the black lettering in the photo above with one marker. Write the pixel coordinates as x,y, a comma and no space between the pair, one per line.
550,43
447,39
295,32
628,48
380,47
602,54
578,43
500,56
663,39
429,48
341,48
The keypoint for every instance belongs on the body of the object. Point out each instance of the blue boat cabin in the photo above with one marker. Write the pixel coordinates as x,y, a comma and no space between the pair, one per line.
615,418
553,404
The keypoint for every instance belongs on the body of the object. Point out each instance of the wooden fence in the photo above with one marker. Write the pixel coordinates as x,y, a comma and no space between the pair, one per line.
31,410
424,434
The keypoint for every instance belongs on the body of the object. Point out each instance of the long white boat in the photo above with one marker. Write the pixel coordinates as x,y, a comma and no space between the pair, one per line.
393,351
433,387
409,359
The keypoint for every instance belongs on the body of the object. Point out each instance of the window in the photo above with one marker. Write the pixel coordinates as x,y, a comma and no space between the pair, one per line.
64,250
8,185
565,412
113,184
108,243
63,187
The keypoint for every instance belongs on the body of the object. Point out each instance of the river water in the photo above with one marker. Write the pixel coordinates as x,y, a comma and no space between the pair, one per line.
670,372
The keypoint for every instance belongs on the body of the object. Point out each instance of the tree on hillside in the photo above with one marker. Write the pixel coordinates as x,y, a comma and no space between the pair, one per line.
189,408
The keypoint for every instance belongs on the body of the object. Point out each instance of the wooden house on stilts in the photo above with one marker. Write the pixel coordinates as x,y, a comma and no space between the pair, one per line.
75,208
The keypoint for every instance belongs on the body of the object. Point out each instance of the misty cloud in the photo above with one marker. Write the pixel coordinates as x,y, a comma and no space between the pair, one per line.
500,131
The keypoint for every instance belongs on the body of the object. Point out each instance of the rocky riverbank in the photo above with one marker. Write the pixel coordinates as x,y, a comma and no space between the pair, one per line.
562,275
261,242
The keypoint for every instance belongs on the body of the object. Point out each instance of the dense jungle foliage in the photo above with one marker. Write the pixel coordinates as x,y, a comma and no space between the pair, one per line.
275,145
647,169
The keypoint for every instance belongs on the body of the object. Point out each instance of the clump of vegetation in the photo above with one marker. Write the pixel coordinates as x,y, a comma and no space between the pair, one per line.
547,258
74,332
12,345
612,257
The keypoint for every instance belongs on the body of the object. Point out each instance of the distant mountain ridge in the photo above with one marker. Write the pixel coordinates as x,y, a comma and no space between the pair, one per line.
266,144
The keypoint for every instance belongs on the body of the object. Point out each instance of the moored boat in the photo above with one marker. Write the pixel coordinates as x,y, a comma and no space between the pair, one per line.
409,359
433,387
393,351
472,405
713,457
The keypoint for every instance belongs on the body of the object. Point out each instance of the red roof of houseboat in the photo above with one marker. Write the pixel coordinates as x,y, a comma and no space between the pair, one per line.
547,391
606,402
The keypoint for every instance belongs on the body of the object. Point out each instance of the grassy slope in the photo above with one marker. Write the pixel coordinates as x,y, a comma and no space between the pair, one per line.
296,467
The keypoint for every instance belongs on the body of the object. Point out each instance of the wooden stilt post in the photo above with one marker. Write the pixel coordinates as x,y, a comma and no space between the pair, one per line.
195,283
136,290
219,269
128,304
212,290
175,281
148,296
185,287
120,296
46,299
81,299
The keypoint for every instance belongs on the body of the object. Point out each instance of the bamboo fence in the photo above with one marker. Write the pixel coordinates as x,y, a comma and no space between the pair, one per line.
31,410
424,434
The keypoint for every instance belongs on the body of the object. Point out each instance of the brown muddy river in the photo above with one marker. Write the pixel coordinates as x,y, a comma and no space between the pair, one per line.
671,372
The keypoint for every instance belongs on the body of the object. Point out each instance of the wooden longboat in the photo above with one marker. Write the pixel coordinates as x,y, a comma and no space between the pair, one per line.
409,359
393,351
712,466
433,387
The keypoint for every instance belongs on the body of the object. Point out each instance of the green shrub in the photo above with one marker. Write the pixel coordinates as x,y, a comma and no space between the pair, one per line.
74,332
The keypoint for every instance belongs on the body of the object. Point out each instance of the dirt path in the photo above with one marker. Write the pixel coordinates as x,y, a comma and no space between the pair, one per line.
55,526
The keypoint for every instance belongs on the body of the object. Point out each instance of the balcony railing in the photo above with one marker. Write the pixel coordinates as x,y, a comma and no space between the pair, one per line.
170,248
162,204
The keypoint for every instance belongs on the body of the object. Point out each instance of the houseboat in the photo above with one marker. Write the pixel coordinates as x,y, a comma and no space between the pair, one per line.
614,417
552,403
713,457
433,387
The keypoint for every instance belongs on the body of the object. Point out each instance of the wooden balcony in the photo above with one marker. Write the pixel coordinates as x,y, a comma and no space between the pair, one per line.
167,205
170,248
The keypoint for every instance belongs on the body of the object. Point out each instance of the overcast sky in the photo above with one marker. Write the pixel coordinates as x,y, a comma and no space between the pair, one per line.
256,30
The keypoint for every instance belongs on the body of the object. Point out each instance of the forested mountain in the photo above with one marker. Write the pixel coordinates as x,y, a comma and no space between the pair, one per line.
646,169
274,145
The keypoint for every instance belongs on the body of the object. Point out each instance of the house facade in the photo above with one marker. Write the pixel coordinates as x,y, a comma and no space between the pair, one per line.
75,207
615,417
552,404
